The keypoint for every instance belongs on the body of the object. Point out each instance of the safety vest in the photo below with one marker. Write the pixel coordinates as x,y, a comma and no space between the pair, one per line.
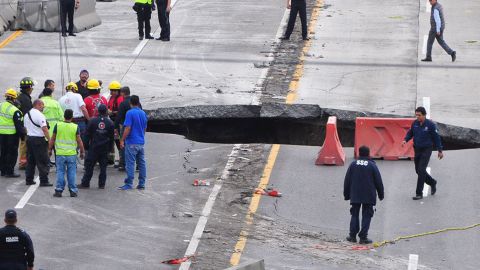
7,126
66,139
144,1
53,111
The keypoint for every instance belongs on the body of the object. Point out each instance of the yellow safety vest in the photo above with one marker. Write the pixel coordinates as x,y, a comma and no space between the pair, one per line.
7,126
53,111
66,139
144,1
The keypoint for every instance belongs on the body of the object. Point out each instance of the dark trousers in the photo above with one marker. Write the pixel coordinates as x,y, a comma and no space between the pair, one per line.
12,266
298,6
367,214
37,156
163,18
8,153
422,157
144,13
94,156
67,8
432,35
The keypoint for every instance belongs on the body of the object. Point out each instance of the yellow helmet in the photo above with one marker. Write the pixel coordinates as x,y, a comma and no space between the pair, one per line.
72,87
11,93
93,84
114,85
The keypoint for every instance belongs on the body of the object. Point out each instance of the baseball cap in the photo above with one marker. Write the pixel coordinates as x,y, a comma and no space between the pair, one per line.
10,214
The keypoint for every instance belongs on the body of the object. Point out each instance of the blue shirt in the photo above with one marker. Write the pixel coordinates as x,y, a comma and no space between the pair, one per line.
438,21
136,119
425,135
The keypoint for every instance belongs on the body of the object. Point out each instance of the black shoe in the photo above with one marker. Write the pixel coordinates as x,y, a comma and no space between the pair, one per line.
73,194
149,37
116,166
306,38
57,194
365,241
28,183
121,168
12,175
72,34
352,239
418,197
140,37
64,34
101,187
454,57
285,38
82,186
434,189
46,184
427,59
165,39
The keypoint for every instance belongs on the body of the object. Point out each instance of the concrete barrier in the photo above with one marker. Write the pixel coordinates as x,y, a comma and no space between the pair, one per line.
8,11
258,265
44,15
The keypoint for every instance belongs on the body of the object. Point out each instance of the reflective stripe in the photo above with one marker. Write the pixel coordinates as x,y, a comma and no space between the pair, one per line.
66,139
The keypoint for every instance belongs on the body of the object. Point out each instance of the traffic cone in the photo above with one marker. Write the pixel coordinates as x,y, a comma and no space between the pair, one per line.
332,151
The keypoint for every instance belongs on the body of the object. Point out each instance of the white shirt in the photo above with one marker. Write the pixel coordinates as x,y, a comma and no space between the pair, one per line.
74,102
39,119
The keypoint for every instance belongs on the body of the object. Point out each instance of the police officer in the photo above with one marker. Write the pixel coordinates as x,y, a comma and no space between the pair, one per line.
25,101
164,8
362,183
99,140
296,6
11,129
67,9
144,13
16,248
425,135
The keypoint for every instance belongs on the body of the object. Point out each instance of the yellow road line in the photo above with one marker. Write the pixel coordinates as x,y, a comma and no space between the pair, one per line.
9,39
272,157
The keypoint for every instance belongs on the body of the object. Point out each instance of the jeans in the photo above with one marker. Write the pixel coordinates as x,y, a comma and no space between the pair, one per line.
135,153
70,163
367,214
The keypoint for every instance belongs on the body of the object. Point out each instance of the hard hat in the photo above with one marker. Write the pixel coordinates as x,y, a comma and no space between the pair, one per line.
114,85
93,84
72,87
27,81
11,93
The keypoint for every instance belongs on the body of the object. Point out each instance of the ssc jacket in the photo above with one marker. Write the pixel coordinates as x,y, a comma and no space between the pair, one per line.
16,246
362,182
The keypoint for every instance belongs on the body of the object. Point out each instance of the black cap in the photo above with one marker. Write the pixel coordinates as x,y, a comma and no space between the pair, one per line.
10,214
102,108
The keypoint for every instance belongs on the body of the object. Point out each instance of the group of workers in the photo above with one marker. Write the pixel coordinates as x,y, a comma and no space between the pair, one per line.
81,123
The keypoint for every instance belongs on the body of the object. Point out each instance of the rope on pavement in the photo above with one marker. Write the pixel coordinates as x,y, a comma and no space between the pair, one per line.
383,243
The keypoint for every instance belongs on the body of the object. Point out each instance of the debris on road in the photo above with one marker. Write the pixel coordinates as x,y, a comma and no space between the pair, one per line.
198,182
178,260
268,192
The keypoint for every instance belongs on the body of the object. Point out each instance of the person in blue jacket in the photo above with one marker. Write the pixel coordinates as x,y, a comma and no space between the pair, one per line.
362,183
425,135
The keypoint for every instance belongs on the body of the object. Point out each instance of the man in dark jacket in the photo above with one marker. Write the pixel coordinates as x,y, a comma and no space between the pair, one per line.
25,101
82,83
425,135
99,141
16,248
362,183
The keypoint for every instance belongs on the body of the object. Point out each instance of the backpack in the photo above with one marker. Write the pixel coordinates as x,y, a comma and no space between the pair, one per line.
96,103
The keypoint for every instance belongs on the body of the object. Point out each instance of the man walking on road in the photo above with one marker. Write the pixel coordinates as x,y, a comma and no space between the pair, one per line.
133,140
66,139
164,9
16,248
296,6
425,134
437,26
362,183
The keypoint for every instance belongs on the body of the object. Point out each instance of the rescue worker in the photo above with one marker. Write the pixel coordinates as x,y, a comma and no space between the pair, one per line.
52,110
144,8
425,135
11,130
74,101
82,83
94,99
362,183
99,141
37,145
25,101
16,247
164,9
296,6
67,9
66,139
48,84
113,104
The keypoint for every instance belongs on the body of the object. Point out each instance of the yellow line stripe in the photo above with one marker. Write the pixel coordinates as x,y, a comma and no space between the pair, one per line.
291,97
9,39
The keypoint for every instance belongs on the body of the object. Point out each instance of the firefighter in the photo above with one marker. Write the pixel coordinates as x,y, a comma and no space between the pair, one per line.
11,130
113,105
25,101
94,99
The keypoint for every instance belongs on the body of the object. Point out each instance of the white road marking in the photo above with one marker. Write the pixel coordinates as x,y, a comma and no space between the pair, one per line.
428,7
142,43
426,105
424,47
202,221
413,262
269,59
426,188
28,194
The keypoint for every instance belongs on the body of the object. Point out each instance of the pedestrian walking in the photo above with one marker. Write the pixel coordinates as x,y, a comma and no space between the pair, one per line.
16,247
73,100
133,140
296,7
37,145
437,27
113,105
144,8
25,101
11,130
67,9
99,141
164,7
425,136
94,99
82,83
66,139
362,184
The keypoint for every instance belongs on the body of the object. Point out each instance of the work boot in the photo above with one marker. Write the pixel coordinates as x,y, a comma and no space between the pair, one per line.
427,59
57,194
365,241
417,197
454,57
351,239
